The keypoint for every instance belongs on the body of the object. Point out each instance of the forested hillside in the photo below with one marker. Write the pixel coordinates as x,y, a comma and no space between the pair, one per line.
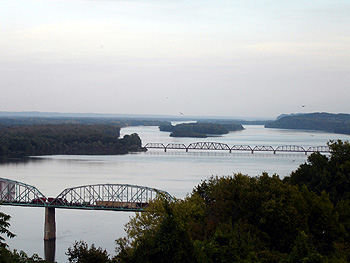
336,123
65,139
120,122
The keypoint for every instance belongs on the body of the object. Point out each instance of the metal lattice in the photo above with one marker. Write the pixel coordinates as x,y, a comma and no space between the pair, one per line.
224,146
108,196
17,193
119,197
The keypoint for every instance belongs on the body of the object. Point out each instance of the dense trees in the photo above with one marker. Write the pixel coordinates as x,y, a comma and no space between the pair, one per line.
240,219
65,139
329,174
200,130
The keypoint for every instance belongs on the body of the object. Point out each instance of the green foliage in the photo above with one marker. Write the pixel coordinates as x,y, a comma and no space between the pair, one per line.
4,229
329,174
81,253
303,251
164,241
65,139
238,219
7,256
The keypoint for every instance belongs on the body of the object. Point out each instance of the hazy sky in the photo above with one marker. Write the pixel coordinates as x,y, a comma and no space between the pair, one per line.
251,58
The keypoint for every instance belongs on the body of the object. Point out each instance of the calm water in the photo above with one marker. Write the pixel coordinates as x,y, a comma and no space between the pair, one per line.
175,171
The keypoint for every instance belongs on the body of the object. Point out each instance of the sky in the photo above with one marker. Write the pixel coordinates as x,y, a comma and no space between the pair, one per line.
232,58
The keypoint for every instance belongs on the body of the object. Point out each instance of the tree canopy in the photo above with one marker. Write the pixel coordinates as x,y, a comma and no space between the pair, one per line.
65,139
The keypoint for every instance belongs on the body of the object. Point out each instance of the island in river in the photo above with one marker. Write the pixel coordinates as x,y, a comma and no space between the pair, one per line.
52,139
200,130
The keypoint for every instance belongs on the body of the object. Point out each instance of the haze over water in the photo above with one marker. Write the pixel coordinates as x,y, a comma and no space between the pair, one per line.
175,171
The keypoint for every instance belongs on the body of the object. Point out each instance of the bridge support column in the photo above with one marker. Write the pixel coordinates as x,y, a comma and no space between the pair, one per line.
50,224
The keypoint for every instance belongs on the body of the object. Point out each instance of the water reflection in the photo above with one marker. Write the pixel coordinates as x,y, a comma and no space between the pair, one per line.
7,160
50,250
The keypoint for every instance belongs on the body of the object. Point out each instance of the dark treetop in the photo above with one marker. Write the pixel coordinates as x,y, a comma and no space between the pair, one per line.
65,139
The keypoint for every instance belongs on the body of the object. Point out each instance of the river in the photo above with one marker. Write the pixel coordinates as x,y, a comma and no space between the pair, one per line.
175,171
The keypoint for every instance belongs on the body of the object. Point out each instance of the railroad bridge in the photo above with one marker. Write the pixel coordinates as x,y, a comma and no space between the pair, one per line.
113,197
226,147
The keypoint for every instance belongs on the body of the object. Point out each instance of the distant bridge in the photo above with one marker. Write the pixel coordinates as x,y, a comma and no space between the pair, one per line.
115,197
226,147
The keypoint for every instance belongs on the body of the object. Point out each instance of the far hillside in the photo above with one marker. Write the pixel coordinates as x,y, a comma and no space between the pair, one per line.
10,121
328,122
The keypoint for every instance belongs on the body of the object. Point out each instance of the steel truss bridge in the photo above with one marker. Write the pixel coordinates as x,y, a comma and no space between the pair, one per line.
226,147
115,197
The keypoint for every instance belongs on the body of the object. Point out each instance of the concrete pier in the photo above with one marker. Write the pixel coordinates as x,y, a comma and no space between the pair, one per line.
50,224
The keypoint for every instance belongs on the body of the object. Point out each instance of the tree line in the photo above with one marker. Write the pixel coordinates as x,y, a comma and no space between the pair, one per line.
120,122
335,123
65,139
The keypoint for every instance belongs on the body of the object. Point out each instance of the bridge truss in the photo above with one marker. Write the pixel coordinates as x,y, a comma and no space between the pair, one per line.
224,146
17,193
108,197
117,197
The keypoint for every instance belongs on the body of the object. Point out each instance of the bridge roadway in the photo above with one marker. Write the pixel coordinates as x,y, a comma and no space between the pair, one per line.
226,147
115,197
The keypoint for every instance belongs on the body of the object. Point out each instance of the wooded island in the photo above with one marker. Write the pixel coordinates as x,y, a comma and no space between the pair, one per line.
200,130
49,139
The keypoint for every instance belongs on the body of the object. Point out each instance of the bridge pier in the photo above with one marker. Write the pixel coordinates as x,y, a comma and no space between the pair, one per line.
50,224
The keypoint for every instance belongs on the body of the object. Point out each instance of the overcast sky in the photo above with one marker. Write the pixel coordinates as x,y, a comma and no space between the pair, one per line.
247,58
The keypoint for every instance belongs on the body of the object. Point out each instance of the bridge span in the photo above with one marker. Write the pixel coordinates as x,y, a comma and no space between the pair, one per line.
112,197
226,147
